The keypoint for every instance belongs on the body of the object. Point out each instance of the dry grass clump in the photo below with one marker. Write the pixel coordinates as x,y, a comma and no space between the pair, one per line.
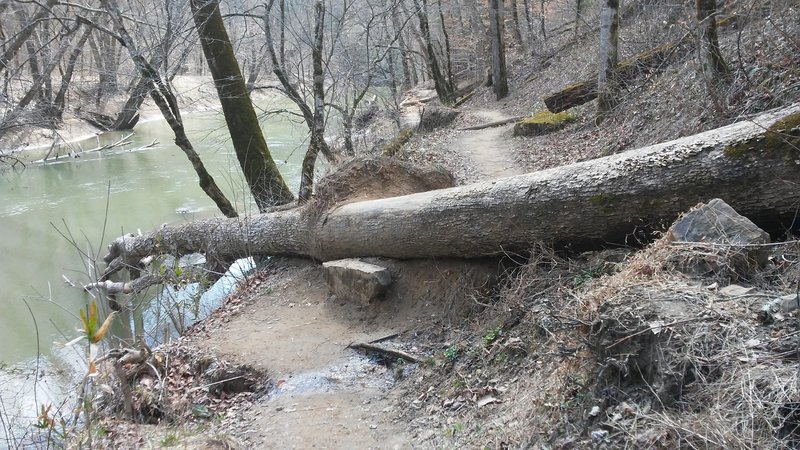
684,367
643,356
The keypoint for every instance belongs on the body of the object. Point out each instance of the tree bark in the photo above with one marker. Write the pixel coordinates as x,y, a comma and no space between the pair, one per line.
440,82
607,82
712,65
515,30
752,165
262,174
499,71
317,142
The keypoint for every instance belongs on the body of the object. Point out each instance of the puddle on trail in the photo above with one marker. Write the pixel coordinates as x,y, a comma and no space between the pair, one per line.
354,373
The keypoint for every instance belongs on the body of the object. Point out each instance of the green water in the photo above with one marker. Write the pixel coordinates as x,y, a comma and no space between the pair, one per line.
96,197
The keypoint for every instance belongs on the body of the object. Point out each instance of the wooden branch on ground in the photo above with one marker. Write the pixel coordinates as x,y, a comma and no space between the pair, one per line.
496,123
123,287
392,353
651,60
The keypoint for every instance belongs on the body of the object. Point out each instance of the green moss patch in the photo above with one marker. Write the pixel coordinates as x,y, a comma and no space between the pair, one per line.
782,136
393,147
542,123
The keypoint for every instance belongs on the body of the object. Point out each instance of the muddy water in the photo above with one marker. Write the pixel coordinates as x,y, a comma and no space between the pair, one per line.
55,218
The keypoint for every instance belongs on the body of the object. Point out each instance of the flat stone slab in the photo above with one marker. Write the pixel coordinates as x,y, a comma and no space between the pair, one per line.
356,280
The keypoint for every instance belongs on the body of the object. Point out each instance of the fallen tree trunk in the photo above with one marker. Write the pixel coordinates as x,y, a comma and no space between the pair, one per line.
585,91
753,165
496,123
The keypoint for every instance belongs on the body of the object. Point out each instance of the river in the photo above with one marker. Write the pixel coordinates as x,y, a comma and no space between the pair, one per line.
57,217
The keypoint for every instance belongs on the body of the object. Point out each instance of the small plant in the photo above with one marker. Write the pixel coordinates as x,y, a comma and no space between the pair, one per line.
94,332
492,335
589,274
453,429
451,353
170,440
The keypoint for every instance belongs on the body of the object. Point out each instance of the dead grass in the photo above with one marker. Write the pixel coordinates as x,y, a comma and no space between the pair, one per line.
643,356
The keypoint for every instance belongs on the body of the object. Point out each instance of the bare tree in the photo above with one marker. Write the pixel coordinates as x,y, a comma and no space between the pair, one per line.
444,88
516,33
499,71
607,60
262,175
712,64
314,114
167,103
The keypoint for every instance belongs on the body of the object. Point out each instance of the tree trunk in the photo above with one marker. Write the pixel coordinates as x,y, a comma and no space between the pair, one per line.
129,116
10,50
168,105
607,82
260,171
752,165
404,50
499,72
478,36
712,65
542,19
451,84
59,103
515,30
317,141
443,88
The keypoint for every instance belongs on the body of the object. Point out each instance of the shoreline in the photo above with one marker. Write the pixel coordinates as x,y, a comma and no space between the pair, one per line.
195,94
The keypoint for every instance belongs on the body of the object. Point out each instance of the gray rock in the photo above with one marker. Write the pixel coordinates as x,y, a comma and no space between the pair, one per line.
716,223
356,280
775,309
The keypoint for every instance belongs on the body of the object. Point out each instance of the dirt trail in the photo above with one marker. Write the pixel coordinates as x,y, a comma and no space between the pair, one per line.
326,395
490,148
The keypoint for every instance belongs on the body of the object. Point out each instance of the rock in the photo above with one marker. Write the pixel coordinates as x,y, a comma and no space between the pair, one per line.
736,241
599,436
716,222
353,279
542,123
775,309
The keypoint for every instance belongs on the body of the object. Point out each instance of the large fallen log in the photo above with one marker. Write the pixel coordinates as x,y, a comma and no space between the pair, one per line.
753,165
585,91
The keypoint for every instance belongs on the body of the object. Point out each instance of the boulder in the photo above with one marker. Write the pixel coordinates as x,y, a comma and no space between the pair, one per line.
733,240
353,279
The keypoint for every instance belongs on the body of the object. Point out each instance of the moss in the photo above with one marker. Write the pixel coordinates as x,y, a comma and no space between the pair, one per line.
784,131
542,122
394,146
548,118
780,137
602,201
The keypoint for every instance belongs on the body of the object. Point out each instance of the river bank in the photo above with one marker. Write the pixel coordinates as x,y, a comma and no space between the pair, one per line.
74,136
